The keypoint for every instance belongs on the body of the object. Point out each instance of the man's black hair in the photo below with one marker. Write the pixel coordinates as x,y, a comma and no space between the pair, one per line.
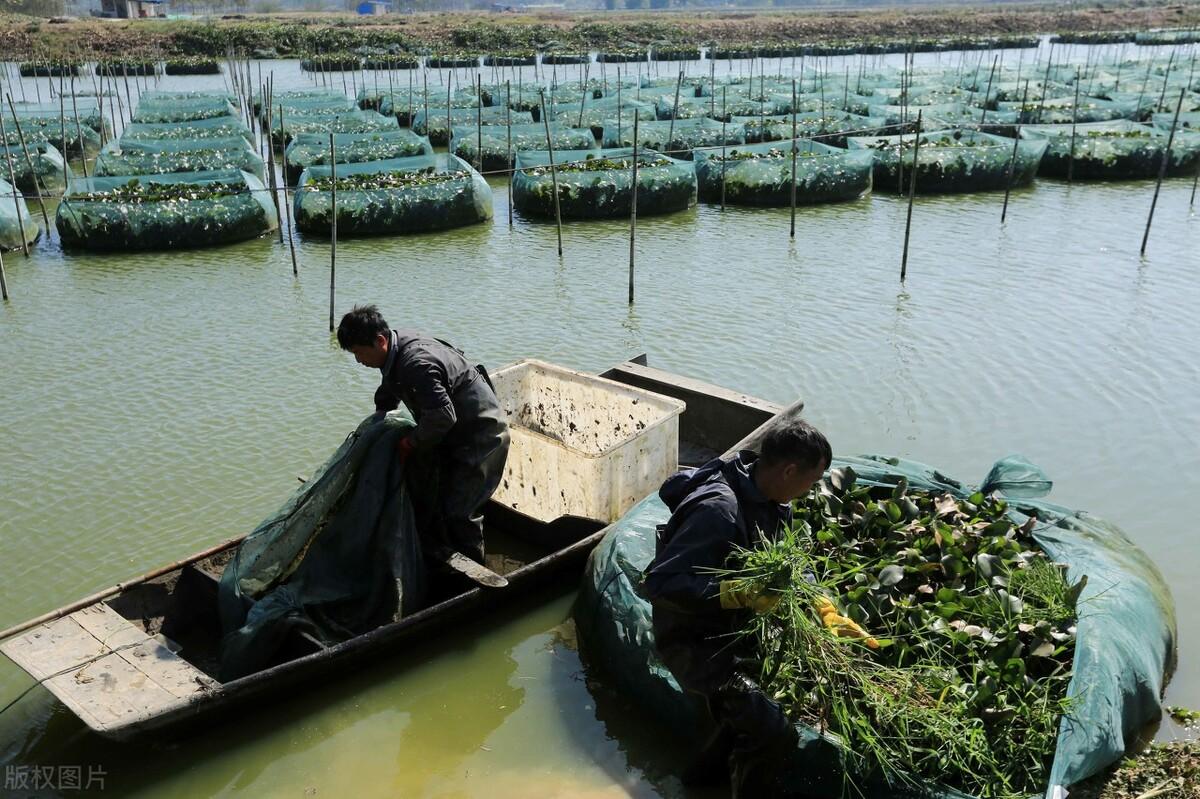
796,441
360,326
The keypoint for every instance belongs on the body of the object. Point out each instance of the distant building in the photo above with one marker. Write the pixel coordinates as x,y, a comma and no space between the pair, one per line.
133,9
374,8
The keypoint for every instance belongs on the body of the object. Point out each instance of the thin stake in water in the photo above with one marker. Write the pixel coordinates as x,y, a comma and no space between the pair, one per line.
1162,168
912,190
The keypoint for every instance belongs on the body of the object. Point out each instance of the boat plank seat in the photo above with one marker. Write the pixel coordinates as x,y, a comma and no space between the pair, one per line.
106,668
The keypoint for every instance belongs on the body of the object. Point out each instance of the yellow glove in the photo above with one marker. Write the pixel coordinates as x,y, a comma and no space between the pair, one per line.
841,626
734,597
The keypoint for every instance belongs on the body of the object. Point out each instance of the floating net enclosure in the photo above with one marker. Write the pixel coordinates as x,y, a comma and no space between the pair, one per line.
212,96
497,155
312,149
598,184
950,161
288,126
1187,121
1118,150
830,128
761,174
1061,110
404,104
66,137
403,195
217,128
49,175
51,113
440,121
598,114
183,110
677,139
151,157
305,101
163,212
17,227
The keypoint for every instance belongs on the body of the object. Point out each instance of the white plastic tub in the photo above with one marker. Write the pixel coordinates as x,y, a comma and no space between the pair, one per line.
582,445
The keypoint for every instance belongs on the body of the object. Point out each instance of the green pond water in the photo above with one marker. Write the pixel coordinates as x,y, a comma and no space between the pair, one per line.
155,404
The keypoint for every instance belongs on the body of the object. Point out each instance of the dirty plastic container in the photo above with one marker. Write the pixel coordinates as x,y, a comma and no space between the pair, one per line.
582,445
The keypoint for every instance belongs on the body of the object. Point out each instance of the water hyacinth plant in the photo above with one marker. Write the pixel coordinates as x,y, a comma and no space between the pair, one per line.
973,629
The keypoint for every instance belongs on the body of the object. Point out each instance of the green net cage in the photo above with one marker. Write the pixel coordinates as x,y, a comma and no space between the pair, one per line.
286,127
302,101
1119,150
761,174
402,195
829,128
182,111
42,173
677,139
441,121
605,112
17,227
312,149
599,184
218,128
499,151
186,155
210,96
405,104
162,212
1063,110
951,161
66,137
1187,121
87,108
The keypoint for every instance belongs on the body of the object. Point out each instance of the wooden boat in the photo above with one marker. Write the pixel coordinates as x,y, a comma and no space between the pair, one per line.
143,654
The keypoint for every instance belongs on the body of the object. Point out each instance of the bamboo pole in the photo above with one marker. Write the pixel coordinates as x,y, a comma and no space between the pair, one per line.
29,161
332,227
1046,83
724,117
79,132
509,160
3,277
912,190
287,207
633,206
553,172
1162,168
1162,96
12,179
274,187
795,147
1012,164
1074,119
988,93
674,113
479,123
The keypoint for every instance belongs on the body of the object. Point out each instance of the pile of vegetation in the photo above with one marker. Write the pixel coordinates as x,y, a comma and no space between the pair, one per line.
192,65
1167,770
959,669
565,58
127,67
511,58
400,61
332,62
44,69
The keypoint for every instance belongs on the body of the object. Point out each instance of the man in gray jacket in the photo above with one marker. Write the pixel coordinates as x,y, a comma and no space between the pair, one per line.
461,427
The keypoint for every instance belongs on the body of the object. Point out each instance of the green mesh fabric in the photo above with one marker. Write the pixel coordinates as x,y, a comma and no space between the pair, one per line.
499,155
305,101
950,161
441,121
761,174
288,125
199,155
50,113
161,212
43,172
218,128
312,149
598,184
1126,632
1113,150
1187,121
403,195
677,139
156,96
828,128
17,227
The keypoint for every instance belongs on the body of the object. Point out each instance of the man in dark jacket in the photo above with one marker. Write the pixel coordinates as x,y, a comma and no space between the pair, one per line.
460,424
715,509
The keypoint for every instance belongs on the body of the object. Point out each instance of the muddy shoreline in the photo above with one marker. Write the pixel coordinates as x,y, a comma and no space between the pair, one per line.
482,32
